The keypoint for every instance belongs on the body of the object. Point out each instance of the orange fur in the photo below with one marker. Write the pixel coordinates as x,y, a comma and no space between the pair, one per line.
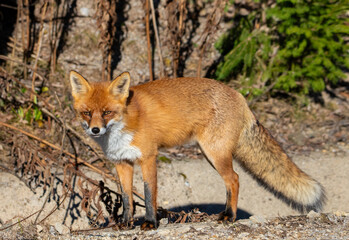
170,112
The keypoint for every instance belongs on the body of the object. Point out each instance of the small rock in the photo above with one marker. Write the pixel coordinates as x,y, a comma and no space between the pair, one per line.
258,219
325,219
39,229
312,214
84,11
53,230
164,221
340,214
246,222
243,234
61,229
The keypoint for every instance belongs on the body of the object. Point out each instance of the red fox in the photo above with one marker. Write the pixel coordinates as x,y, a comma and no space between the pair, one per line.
131,123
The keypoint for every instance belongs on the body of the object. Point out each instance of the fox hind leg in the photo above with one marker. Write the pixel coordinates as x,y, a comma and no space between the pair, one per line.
222,161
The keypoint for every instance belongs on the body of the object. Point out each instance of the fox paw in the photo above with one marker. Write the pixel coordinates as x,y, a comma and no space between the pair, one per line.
125,225
147,225
225,217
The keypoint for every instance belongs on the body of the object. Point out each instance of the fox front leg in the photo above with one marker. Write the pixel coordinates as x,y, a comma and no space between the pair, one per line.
125,173
149,172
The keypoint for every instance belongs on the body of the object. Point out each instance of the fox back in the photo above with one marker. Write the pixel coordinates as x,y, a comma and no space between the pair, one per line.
166,112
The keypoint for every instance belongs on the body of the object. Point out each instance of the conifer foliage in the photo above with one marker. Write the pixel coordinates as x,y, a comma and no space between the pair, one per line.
300,47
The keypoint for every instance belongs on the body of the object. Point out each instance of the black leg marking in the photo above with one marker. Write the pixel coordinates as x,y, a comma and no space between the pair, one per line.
126,207
227,215
127,221
150,215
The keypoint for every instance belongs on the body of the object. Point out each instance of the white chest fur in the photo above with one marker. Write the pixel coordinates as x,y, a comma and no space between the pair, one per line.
116,144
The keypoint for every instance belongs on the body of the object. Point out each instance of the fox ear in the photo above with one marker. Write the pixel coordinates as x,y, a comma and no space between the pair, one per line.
78,83
120,86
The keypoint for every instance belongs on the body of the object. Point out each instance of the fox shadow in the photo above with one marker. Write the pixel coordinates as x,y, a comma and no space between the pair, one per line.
209,208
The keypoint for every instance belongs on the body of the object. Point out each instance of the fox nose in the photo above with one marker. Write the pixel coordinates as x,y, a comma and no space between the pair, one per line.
95,130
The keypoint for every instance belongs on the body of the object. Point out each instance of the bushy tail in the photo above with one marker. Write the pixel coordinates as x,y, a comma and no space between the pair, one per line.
265,160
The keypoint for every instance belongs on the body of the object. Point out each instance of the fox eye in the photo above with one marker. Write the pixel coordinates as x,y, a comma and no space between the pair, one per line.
86,113
106,113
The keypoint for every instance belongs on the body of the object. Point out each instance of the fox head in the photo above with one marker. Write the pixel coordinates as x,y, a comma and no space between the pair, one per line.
99,104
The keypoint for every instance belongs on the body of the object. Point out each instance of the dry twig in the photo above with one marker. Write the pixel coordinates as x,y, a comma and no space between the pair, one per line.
176,16
158,43
79,160
23,64
61,157
148,40
39,46
18,222
106,23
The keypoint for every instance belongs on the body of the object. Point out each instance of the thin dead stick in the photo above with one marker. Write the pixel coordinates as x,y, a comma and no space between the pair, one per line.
79,160
20,9
148,40
46,198
5,169
54,208
61,156
2,229
39,47
109,66
179,37
15,39
162,66
198,70
15,46
55,30
52,41
26,65
93,229
28,23
7,6
22,85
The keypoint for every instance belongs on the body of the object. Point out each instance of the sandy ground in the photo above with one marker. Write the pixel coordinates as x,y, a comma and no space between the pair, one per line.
204,188
186,184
